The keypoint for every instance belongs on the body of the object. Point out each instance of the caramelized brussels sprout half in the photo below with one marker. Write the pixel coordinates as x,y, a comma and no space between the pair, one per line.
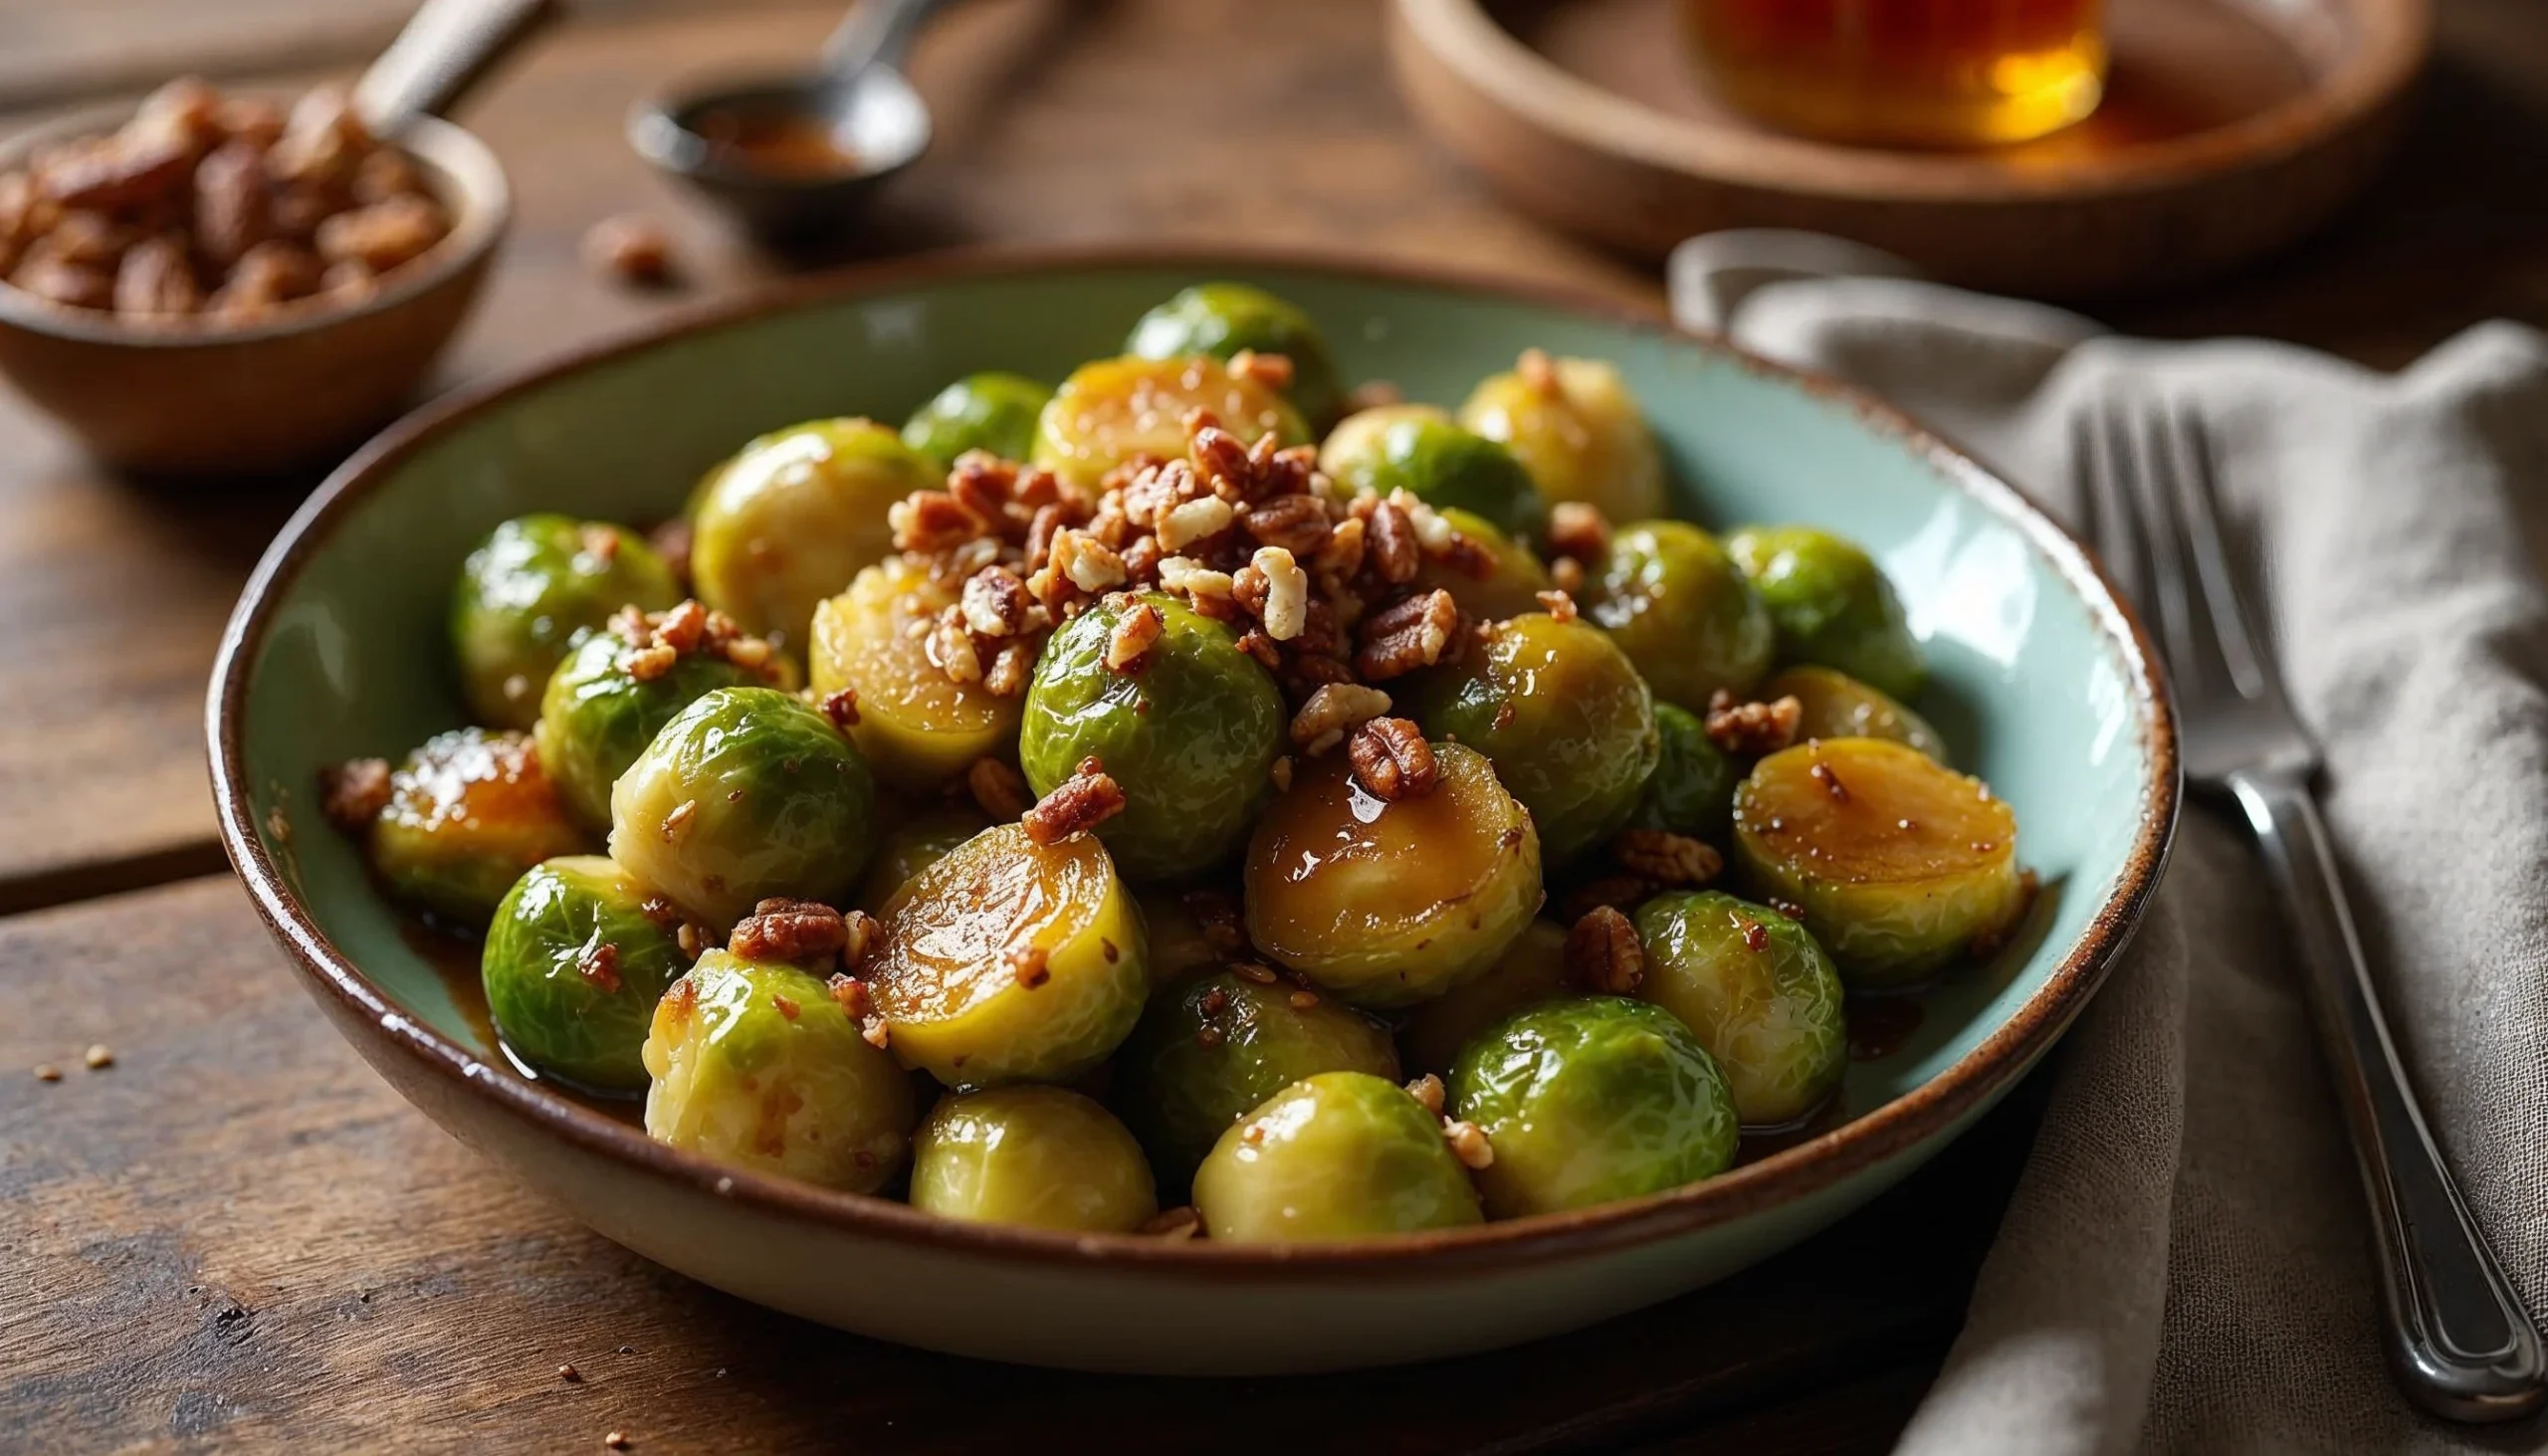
572,968
1220,319
1833,606
1336,1155
596,715
1208,1052
1412,447
755,1063
1116,410
795,516
912,846
528,589
1590,1100
468,812
1691,790
916,725
1675,602
1191,738
1390,902
1837,706
748,793
991,411
1564,716
1043,1157
1010,961
1896,862
1532,970
1511,583
1757,993
1579,432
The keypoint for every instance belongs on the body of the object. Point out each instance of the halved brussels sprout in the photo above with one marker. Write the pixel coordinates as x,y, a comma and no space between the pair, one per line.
1333,1157
596,715
748,793
1220,319
1191,738
1685,615
1756,991
1118,410
1895,861
1833,605
916,726
572,968
1532,970
1043,1157
1010,961
1838,706
1564,716
1412,447
528,589
991,411
1390,902
1209,1052
756,1064
914,845
794,515
1579,432
1693,788
1590,1100
1512,585
468,812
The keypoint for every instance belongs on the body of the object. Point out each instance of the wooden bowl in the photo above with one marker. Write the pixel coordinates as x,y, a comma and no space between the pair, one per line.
183,400
2231,127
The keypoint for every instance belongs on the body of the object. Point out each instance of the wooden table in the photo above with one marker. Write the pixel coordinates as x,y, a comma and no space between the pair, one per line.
236,1237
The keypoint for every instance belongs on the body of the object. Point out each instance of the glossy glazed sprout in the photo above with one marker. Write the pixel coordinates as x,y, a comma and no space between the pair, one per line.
1337,1155
525,594
1224,318
572,968
621,684
1833,606
917,725
1577,429
468,812
1116,411
1414,449
1833,705
1043,1156
1759,995
992,411
793,515
1500,578
1691,790
1689,619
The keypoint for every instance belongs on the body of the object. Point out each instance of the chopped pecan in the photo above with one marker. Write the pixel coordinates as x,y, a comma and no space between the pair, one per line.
629,248
116,173
1427,1092
1342,556
324,140
1666,858
862,935
996,604
1468,557
998,789
1011,669
384,234
841,706
1414,633
1031,964
789,930
1578,528
1078,804
932,521
1468,1143
1752,727
1393,550
155,278
1192,521
1135,630
1287,592
1604,956
1392,759
269,273
1333,712
1257,645
952,650
598,966
1559,604
1297,523
230,202
73,284
352,794
1538,371
1222,461
1274,371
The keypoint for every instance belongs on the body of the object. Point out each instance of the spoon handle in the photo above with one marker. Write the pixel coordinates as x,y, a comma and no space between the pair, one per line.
877,32
447,45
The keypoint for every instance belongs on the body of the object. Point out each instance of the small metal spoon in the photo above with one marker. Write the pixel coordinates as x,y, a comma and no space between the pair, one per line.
447,47
859,99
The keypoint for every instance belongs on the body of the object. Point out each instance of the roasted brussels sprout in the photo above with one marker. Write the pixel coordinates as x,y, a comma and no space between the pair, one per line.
1532,970
1114,410
991,411
755,1063
1010,961
1838,706
1044,1156
1832,604
1390,902
1896,862
912,846
795,516
596,715
572,968
1208,1052
1564,716
1191,738
1590,1100
916,725
748,793
1691,790
525,594
1675,602
468,812
1331,1156
1576,427
1412,447
1512,581
1353,448
1761,996
1220,319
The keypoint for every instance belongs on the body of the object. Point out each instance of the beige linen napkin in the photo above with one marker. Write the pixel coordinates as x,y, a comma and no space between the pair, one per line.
2185,1265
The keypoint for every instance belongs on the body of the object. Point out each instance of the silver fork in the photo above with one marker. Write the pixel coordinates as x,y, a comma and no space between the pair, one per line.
2458,1340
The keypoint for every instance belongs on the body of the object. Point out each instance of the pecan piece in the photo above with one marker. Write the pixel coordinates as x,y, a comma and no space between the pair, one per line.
1078,804
598,966
1414,633
1578,528
629,248
998,789
230,202
383,235
1135,631
1665,858
997,603
789,930
1752,727
1392,759
155,278
1334,710
1393,550
116,173
1604,955
1297,523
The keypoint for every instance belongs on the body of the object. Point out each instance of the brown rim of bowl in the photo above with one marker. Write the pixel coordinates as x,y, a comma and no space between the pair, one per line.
1853,1148
482,206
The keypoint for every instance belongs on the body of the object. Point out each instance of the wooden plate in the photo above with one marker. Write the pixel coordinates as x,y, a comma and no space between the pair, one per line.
2231,127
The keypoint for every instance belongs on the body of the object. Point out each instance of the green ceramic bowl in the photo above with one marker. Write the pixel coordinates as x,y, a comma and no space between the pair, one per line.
2045,685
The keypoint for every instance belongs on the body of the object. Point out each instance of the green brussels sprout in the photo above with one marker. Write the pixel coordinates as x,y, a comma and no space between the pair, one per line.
990,411
1388,903
1757,993
1590,1100
1833,705
1832,604
596,715
1333,1157
1209,1052
1897,863
748,793
916,725
1221,319
1685,614
1532,970
1191,738
572,968
1118,410
528,589
1564,716
912,846
1576,427
1411,448
468,812
1354,446
794,515
1506,580
1011,961
756,1064
1043,1157
1691,790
